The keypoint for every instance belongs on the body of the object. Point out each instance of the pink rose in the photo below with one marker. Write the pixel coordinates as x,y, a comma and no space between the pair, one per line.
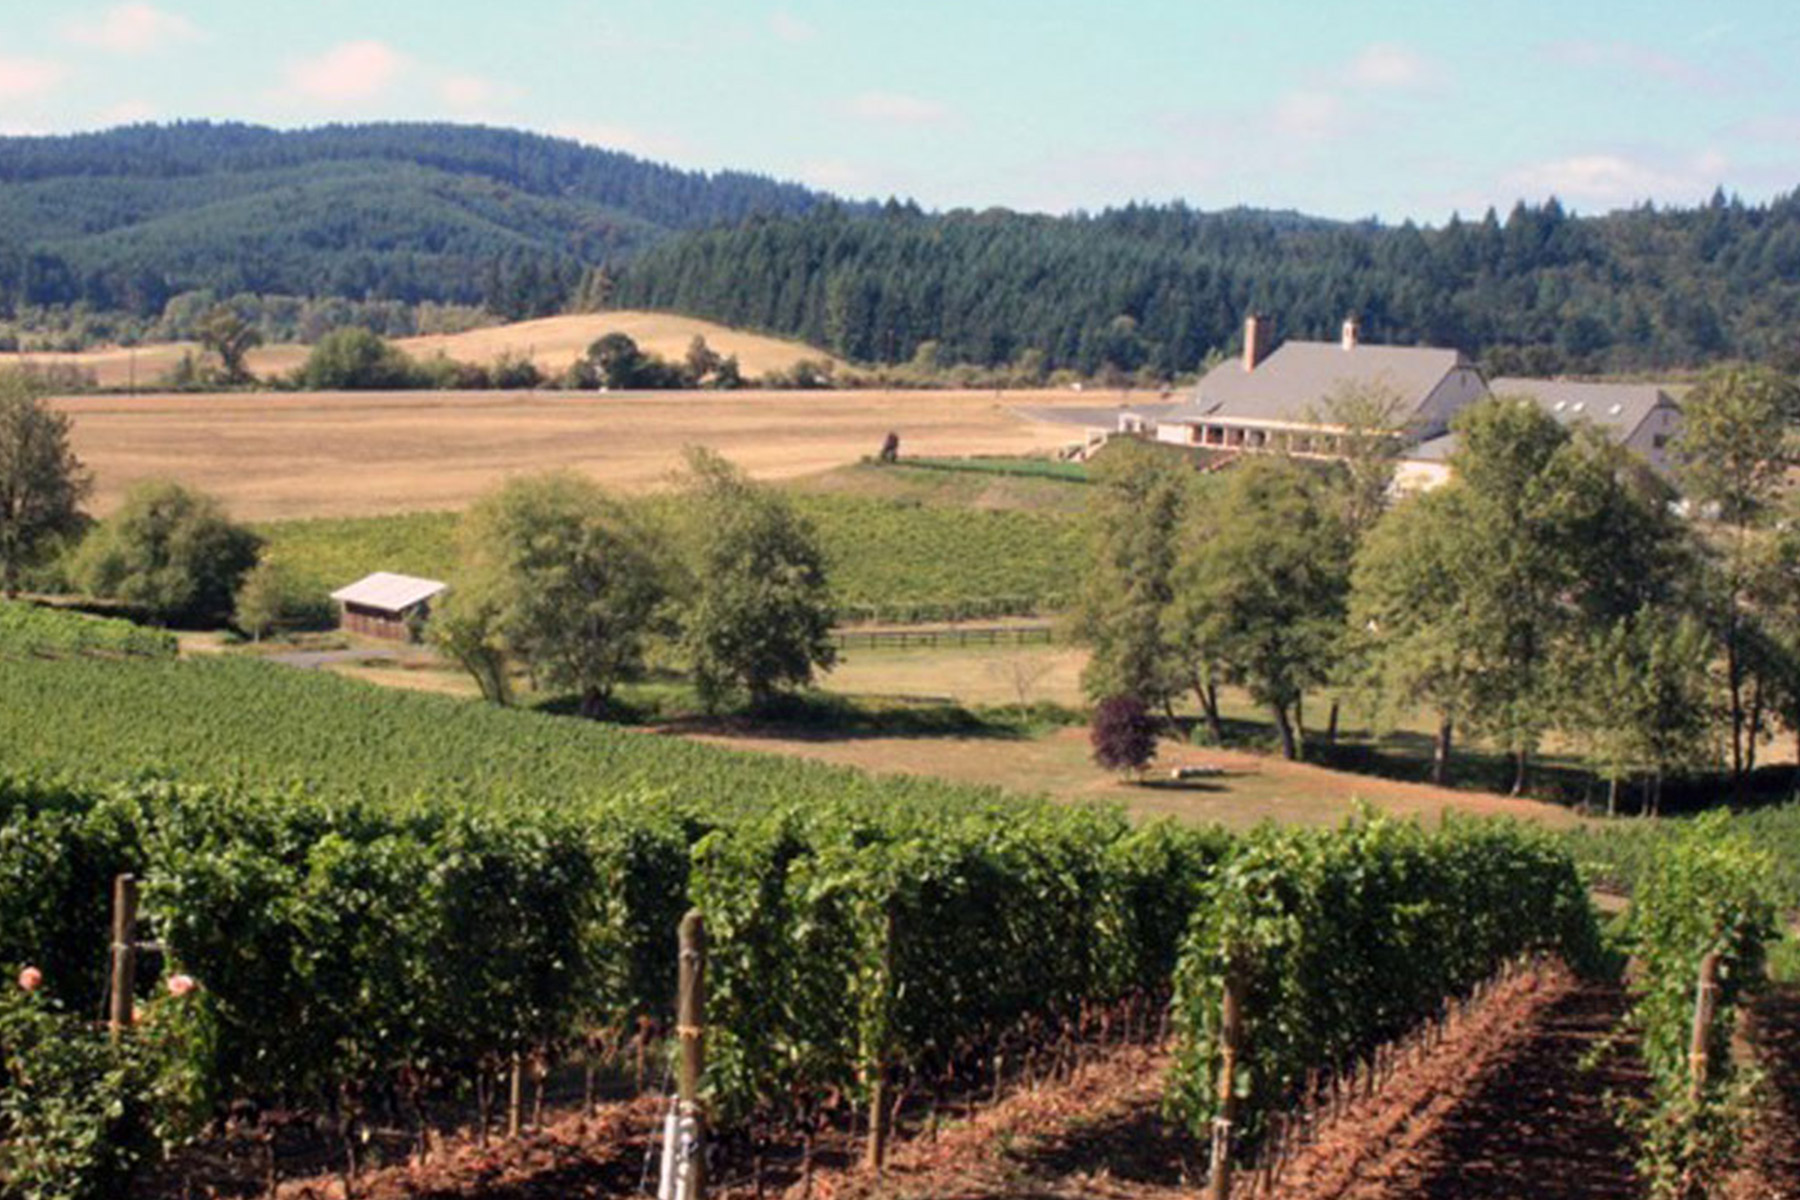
181,985
31,979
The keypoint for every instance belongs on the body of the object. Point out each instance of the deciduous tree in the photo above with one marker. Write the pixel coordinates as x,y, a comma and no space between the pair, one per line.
1732,456
571,579
1135,512
227,334
41,481
757,618
1123,734
1267,587
171,551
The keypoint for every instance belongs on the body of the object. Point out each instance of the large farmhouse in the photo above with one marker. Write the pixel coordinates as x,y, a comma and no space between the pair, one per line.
1282,400
1642,417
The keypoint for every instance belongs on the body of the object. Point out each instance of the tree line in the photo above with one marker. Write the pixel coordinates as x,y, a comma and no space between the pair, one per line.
1160,288
1553,588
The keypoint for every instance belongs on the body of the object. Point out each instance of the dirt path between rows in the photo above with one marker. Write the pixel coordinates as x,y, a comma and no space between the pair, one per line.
1771,1159
1501,1107
1504,1109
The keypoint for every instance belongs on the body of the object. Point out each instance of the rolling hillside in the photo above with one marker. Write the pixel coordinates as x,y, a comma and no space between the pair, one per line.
552,342
125,218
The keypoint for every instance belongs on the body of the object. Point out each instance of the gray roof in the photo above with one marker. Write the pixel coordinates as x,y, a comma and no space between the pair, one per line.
1296,381
1617,408
388,592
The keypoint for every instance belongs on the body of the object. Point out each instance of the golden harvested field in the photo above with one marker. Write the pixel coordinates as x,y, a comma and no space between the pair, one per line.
277,455
552,342
555,342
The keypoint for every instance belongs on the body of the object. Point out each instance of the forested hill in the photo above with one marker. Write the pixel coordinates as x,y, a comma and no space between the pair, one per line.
126,218
1538,291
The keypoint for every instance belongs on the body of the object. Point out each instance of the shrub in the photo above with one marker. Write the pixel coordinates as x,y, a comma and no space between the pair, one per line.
353,359
273,599
1123,734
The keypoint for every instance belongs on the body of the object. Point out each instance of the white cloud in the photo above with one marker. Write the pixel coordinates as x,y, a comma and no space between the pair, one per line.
1632,59
1389,65
788,28
125,112
24,78
898,108
1308,115
468,91
347,73
1608,181
131,29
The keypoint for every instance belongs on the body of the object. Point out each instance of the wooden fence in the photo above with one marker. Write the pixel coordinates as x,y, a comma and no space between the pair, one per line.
900,639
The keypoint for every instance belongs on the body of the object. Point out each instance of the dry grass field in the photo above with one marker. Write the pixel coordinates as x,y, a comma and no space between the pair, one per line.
279,455
553,343
1250,788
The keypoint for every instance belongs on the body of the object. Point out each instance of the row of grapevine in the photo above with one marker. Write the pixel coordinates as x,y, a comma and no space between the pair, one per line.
1702,915
902,953
1621,854
350,948
1342,941
31,629
228,719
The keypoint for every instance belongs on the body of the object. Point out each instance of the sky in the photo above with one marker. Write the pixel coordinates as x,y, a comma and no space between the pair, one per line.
1340,108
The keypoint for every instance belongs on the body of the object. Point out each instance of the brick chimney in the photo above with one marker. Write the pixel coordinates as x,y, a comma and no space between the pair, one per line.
1259,331
1351,329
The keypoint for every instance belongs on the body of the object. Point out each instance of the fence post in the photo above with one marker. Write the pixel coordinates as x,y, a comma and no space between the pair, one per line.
1231,1033
1706,1003
124,954
691,1026
515,1096
875,1154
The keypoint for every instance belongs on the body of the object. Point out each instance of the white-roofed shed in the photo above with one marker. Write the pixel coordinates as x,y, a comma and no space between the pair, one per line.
386,604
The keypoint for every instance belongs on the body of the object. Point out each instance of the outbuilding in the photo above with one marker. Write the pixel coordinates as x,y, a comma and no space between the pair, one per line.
387,605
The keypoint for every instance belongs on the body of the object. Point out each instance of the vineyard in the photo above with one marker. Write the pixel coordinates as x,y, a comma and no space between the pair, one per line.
28,629
235,721
889,560
394,903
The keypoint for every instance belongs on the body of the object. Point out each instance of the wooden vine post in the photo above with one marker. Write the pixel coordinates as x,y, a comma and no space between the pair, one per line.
1706,1006
690,1170
1231,1038
124,955
875,1152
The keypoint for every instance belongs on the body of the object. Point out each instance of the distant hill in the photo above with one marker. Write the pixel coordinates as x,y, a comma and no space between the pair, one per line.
551,342
125,218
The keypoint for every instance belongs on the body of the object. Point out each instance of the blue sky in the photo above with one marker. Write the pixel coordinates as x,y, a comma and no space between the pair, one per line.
1350,108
